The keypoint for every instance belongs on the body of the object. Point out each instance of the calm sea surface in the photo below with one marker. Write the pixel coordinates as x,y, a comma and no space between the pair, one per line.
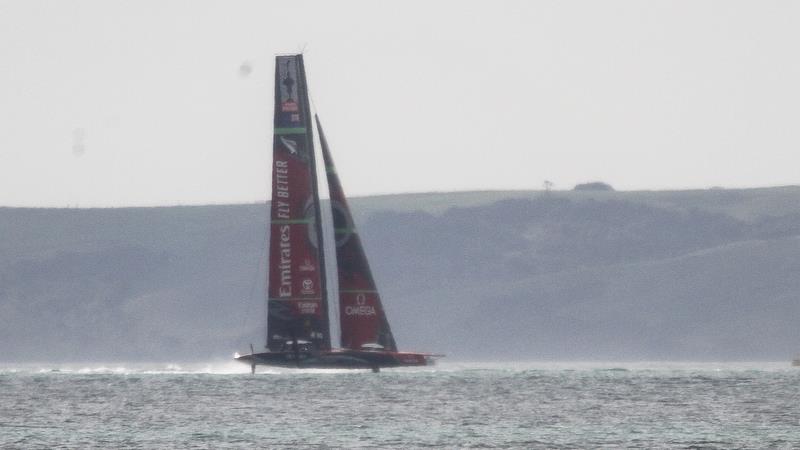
454,405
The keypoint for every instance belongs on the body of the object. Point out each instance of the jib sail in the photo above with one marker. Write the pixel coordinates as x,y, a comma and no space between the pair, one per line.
297,306
361,313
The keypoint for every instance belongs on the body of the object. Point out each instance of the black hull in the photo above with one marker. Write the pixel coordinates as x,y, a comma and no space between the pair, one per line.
337,359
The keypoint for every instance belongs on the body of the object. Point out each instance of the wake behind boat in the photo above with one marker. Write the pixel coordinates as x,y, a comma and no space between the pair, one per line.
298,326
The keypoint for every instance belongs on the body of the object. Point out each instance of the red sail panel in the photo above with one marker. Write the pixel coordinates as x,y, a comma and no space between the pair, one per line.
361,314
297,305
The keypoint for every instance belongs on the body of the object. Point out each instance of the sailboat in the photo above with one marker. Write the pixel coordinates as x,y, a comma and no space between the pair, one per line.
298,323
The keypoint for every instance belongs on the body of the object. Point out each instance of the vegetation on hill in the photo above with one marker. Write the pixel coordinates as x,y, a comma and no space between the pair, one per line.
520,274
593,186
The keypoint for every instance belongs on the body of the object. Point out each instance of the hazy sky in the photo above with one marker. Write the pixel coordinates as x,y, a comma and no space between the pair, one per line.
111,103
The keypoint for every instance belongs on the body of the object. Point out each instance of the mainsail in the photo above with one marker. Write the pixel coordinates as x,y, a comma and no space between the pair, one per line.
362,318
297,307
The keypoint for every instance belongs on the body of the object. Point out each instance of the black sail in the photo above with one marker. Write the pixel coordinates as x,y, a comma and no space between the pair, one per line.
362,317
297,305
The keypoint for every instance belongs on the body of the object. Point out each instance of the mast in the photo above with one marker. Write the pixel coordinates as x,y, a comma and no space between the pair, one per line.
361,314
297,304
323,283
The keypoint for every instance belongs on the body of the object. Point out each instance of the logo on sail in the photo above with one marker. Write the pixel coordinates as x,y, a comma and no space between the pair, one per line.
308,287
290,145
293,147
307,266
288,82
360,308
285,262
282,187
289,99
290,106
307,307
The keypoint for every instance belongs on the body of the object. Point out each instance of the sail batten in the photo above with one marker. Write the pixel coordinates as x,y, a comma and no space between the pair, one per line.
361,314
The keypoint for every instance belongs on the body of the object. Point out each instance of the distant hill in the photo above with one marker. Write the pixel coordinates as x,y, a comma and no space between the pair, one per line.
702,274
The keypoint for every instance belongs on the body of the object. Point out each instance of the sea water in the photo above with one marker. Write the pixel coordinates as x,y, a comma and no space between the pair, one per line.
452,405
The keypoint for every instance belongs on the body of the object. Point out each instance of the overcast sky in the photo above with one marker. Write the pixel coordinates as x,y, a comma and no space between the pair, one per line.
107,103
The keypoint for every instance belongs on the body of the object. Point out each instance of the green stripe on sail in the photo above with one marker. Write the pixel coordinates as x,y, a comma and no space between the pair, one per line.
330,169
294,130
344,230
290,221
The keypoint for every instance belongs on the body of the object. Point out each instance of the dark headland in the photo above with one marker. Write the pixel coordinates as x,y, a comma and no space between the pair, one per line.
660,275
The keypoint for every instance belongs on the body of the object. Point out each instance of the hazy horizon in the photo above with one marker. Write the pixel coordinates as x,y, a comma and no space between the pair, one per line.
399,194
